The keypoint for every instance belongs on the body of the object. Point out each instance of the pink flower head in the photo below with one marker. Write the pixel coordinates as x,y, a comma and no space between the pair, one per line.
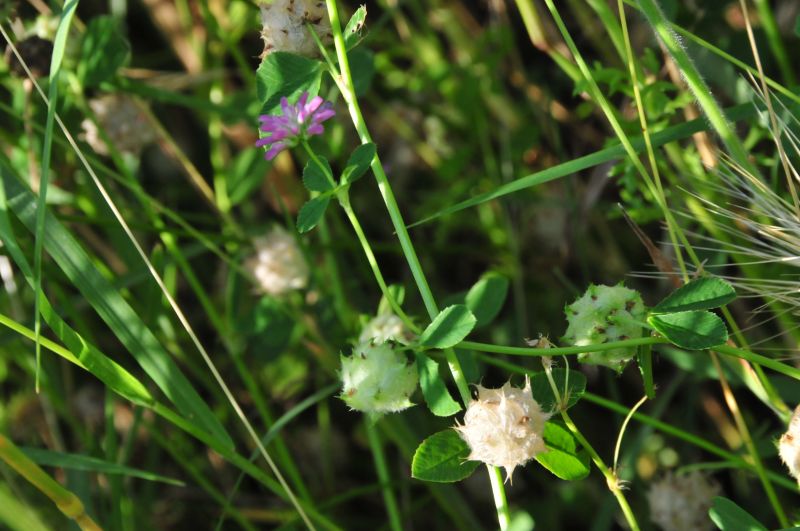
294,124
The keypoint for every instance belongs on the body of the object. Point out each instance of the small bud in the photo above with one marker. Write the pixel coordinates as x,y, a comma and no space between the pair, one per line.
681,503
603,314
385,327
285,28
378,379
278,265
504,427
789,446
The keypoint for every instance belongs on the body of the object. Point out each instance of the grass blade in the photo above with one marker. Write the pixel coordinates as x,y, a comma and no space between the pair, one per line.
124,322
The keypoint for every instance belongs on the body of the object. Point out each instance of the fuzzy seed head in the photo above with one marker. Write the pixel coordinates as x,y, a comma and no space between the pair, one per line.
385,327
681,503
285,28
378,379
504,427
123,121
278,265
603,314
789,446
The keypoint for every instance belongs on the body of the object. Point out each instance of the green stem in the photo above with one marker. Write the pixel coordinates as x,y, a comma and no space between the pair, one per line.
383,476
559,351
611,478
345,82
699,88
67,502
500,501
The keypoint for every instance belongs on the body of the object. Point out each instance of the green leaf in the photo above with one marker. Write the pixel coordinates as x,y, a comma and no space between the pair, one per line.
358,163
562,457
115,311
442,458
691,330
436,394
311,213
362,67
448,328
283,74
103,51
701,294
485,299
352,32
730,517
573,383
92,464
314,177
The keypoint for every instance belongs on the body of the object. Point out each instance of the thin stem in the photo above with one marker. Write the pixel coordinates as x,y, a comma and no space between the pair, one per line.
611,478
392,509
744,432
559,351
500,501
345,82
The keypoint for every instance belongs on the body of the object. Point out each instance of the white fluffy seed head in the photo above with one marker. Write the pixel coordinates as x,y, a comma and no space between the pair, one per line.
385,327
278,265
681,503
284,26
122,120
378,379
789,446
504,427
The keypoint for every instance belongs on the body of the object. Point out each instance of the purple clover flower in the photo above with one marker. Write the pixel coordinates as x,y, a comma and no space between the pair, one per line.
295,123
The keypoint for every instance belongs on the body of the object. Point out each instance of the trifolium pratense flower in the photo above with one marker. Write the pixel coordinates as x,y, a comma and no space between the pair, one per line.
278,266
295,123
789,446
284,26
504,427
378,379
681,503
385,327
603,314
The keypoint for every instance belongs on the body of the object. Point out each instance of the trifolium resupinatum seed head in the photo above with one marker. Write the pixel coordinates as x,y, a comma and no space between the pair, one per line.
681,503
378,378
789,446
504,427
603,314
285,26
278,265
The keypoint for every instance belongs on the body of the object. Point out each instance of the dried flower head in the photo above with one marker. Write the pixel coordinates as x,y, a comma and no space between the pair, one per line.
681,503
278,265
285,27
603,314
504,427
295,124
385,327
378,379
35,52
789,446
123,121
